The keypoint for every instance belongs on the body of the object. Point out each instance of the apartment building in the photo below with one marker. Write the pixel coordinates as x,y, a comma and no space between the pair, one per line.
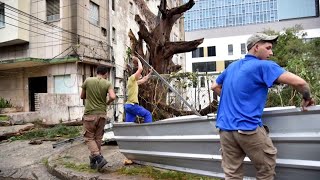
49,47
226,25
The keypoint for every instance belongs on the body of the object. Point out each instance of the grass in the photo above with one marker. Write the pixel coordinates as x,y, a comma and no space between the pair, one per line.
79,167
4,118
50,133
159,174
45,161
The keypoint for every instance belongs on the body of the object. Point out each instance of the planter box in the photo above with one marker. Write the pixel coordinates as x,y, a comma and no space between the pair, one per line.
7,110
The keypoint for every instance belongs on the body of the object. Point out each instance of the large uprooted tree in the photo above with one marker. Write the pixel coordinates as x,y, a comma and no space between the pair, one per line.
155,31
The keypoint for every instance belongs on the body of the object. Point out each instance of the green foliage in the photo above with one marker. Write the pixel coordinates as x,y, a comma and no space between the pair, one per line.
128,54
185,79
45,161
299,57
79,167
57,131
158,174
4,118
5,103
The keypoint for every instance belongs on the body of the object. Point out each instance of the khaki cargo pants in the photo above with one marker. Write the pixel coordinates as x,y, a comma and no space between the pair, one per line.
256,144
93,126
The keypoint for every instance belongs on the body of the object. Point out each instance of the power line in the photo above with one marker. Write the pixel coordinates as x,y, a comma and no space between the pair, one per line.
50,24
41,29
32,31
35,26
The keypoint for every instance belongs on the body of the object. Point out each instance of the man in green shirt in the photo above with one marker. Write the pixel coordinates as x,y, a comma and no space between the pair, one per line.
132,107
95,91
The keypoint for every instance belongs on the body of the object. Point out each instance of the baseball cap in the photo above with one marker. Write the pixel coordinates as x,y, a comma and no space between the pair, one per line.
255,38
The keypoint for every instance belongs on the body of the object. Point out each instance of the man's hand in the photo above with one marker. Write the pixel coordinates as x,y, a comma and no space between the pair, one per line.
306,103
135,61
150,71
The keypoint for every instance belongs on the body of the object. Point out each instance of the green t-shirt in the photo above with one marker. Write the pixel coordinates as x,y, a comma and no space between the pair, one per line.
96,95
133,90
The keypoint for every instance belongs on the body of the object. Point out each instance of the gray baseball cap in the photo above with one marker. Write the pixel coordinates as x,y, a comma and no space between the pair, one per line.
255,38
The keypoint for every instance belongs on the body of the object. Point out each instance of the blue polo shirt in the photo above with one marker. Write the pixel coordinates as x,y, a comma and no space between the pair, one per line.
244,92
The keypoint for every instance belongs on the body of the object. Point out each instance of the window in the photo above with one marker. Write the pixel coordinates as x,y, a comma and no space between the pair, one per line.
243,48
64,84
113,35
53,10
197,53
227,63
2,19
230,49
212,51
204,67
113,5
131,7
202,82
104,31
94,13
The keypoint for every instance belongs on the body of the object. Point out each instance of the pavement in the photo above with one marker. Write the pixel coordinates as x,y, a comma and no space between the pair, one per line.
21,160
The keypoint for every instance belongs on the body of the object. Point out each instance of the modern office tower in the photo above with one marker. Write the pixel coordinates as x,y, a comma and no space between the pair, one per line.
208,14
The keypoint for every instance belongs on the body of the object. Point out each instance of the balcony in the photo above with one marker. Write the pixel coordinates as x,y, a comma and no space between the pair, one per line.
14,26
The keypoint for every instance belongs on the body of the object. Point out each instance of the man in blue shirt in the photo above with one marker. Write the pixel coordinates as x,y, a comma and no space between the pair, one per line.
243,89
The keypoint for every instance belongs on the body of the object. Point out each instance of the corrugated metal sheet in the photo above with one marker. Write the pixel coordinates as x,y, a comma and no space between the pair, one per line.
191,144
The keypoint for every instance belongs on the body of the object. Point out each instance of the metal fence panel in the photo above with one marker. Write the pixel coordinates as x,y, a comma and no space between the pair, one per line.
191,144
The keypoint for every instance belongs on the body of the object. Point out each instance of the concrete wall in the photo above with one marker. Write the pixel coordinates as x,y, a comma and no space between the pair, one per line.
14,83
55,108
11,34
48,40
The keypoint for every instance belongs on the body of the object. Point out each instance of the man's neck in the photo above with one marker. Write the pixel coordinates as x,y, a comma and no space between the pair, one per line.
100,76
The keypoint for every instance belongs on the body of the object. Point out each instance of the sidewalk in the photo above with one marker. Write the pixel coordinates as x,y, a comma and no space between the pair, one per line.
22,160
78,154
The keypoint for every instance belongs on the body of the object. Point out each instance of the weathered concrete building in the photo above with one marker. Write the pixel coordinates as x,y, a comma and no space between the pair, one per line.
49,47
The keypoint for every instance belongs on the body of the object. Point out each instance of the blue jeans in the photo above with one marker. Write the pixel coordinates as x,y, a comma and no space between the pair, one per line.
133,110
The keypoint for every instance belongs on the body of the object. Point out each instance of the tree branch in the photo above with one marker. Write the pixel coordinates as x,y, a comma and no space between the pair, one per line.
136,45
143,31
163,8
181,47
146,12
173,110
181,9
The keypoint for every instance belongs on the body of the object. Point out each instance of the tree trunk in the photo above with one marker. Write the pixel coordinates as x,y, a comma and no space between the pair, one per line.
155,31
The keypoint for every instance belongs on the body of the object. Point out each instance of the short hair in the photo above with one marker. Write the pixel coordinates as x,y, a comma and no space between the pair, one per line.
134,70
102,70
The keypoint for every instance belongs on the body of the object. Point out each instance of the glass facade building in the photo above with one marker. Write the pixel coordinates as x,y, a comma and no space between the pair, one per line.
208,14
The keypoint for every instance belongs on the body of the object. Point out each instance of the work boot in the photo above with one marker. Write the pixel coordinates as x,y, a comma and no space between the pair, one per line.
100,161
93,162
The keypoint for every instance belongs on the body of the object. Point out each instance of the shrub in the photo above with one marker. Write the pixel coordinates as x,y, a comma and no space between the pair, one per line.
5,103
